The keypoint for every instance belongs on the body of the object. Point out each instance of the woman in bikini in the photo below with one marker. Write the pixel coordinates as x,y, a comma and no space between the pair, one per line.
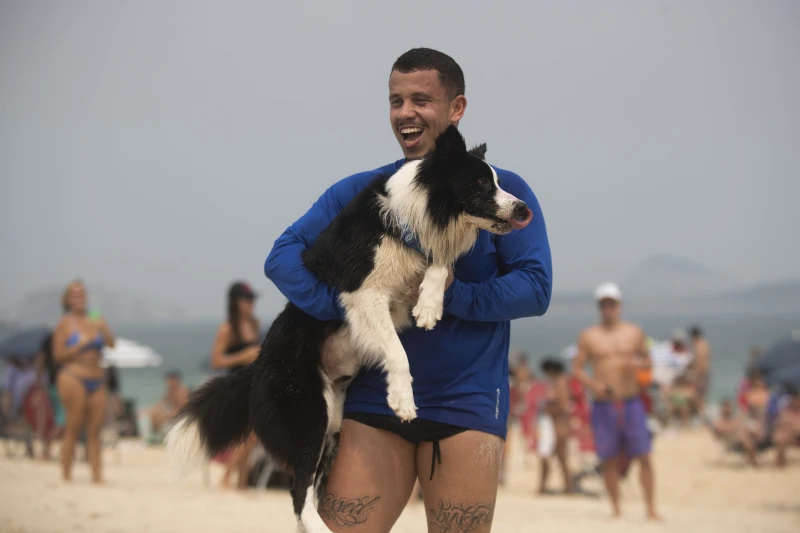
236,346
77,346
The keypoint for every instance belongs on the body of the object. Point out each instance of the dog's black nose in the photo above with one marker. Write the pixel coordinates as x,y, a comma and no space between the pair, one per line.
520,211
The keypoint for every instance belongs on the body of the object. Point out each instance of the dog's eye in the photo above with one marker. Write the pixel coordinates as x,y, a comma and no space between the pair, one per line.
484,183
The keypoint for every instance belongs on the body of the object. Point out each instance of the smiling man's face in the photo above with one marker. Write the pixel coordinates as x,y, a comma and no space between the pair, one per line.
419,109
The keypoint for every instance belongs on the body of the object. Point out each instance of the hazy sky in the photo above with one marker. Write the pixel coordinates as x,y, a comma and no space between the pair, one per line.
164,145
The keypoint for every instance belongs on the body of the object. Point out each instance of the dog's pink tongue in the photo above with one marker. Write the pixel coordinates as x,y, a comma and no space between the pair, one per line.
519,224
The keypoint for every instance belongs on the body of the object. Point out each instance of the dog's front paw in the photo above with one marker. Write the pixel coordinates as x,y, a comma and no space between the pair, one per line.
401,399
427,312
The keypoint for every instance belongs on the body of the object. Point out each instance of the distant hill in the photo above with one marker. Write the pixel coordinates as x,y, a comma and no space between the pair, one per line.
781,294
118,306
672,277
776,297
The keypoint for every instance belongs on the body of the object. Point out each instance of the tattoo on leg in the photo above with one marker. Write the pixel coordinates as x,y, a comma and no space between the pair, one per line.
347,512
455,518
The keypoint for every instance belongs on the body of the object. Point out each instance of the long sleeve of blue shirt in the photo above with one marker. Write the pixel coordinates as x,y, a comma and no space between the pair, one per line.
524,285
523,288
284,265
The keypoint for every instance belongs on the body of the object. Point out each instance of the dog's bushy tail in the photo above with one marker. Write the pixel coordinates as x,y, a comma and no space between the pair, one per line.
216,417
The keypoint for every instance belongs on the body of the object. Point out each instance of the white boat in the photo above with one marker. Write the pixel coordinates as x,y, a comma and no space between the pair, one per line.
130,354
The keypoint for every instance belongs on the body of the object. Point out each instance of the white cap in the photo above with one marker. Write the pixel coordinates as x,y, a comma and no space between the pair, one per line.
608,290
678,335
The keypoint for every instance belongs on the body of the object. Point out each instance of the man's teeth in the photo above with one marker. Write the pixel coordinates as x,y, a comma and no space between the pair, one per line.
407,131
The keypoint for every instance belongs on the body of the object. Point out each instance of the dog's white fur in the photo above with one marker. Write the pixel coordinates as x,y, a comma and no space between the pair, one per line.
379,308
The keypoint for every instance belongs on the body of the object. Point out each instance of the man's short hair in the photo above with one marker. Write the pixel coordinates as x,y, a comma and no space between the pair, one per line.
420,59
695,332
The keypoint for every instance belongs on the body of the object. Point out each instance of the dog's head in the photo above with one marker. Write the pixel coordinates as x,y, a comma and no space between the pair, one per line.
459,183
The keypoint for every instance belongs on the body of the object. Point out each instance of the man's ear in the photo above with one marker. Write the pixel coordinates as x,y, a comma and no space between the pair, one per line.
479,151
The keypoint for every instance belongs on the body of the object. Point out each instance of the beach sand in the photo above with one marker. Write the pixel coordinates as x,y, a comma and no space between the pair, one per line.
699,489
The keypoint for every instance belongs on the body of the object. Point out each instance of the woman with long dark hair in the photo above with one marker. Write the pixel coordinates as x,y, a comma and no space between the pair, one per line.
237,345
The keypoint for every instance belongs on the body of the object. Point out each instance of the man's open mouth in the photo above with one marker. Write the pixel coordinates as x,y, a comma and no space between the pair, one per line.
411,134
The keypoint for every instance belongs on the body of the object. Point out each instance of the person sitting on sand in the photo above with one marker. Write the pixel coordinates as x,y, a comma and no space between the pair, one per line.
787,426
680,399
756,402
175,397
729,429
726,427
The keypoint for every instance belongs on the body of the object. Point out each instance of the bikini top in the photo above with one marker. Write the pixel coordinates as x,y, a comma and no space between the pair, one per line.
94,344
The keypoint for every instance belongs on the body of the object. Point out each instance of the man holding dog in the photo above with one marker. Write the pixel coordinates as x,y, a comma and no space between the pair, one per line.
460,368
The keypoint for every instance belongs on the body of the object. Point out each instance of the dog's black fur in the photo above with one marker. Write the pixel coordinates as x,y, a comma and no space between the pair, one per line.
280,396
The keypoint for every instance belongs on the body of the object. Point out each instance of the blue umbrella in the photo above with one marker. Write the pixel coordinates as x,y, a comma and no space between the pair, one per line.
24,344
781,363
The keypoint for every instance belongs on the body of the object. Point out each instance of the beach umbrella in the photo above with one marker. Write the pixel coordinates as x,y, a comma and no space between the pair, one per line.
781,362
130,354
24,343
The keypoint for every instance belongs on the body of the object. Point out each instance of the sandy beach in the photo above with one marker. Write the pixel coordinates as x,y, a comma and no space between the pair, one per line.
699,489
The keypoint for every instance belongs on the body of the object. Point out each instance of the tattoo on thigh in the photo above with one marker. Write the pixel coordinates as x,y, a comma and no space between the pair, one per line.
347,512
449,517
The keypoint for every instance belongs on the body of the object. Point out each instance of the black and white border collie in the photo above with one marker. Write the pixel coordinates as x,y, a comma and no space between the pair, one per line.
292,396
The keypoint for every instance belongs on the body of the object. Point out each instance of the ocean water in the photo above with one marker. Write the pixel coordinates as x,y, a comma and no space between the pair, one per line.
186,347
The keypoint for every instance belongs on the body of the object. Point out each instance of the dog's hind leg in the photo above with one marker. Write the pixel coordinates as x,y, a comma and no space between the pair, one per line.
325,465
304,495
370,319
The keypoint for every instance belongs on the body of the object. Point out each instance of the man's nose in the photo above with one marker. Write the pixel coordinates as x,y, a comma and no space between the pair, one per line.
406,111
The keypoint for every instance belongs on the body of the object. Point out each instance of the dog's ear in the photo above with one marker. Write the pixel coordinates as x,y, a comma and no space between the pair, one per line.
479,151
450,139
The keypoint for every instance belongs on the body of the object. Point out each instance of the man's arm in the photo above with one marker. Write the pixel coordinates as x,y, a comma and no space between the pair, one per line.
525,285
645,361
284,265
598,389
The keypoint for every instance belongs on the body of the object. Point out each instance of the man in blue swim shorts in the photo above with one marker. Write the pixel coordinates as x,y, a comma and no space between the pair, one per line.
460,368
616,350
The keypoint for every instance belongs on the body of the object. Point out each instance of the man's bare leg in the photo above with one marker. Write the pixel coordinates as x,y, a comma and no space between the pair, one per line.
461,496
647,479
370,481
544,473
611,480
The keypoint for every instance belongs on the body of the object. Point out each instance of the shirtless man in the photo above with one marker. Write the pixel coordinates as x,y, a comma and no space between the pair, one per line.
616,350
702,367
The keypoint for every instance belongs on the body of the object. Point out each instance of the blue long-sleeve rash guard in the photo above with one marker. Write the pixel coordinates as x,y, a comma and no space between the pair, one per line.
460,368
